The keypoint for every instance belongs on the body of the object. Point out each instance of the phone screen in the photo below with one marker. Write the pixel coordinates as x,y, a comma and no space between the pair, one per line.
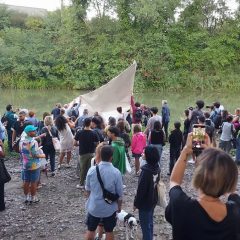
198,136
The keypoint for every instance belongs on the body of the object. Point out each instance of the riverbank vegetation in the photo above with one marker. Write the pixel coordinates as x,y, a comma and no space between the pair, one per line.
177,44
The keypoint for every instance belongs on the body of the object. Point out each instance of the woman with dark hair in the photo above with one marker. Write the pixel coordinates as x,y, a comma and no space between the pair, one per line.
224,115
146,198
156,138
208,216
66,139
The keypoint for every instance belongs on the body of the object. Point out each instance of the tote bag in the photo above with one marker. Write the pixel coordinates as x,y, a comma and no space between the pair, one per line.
4,175
162,197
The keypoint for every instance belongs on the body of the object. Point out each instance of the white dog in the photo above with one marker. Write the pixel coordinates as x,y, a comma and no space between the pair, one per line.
130,223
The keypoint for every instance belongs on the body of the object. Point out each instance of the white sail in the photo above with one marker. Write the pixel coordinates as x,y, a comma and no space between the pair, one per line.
116,93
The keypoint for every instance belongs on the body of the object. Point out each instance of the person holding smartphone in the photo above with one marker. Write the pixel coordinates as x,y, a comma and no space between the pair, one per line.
208,216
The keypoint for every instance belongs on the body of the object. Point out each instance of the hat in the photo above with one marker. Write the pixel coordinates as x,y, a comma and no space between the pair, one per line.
30,128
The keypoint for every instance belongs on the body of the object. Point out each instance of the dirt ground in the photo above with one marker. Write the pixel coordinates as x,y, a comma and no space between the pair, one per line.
60,214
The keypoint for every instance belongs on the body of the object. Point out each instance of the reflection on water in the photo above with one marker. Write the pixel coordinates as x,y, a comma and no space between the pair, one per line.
36,100
44,100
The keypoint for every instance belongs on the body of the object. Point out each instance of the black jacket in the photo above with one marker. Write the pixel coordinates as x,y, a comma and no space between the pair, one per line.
147,196
176,139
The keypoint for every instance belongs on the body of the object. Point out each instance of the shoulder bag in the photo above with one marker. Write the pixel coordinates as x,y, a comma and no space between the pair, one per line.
108,197
4,175
55,141
162,197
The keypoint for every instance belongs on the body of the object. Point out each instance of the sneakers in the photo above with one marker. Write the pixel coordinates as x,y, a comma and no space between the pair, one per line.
191,161
80,186
59,166
98,238
29,200
35,200
67,165
124,186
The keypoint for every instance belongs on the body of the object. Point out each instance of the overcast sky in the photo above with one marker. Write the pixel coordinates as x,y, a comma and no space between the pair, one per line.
54,4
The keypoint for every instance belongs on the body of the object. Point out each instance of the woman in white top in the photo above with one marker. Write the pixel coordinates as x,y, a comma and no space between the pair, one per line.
227,134
66,139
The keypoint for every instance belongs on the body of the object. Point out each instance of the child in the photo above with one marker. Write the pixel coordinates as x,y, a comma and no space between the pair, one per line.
138,144
175,140
156,138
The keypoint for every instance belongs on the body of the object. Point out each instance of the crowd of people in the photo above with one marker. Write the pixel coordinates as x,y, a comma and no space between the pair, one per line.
107,149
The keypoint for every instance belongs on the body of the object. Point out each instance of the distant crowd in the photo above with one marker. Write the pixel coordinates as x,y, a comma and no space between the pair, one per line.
106,150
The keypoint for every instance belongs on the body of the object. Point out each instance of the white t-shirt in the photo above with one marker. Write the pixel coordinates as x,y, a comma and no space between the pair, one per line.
152,120
226,131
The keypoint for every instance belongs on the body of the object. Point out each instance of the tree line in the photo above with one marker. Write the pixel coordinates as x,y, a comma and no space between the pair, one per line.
177,44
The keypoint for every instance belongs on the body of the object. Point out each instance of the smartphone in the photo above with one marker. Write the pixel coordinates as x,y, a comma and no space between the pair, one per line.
198,137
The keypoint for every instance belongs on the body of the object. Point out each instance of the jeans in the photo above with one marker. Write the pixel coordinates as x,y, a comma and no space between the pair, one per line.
9,133
50,154
165,128
225,145
146,223
174,155
2,203
238,150
160,149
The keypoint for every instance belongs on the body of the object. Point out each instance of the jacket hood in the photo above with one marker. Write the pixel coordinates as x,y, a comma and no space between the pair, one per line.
119,141
153,169
140,135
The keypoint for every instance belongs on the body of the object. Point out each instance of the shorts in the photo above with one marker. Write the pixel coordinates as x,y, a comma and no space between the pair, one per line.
108,223
31,175
136,155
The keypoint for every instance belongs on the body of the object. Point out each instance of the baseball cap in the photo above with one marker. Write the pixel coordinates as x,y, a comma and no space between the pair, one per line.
30,128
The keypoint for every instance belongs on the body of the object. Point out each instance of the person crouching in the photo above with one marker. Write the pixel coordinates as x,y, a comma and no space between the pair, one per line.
31,164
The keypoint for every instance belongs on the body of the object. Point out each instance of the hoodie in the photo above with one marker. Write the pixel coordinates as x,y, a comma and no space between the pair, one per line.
119,153
138,143
147,195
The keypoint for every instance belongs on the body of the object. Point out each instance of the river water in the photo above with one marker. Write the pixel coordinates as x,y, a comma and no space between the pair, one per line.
44,100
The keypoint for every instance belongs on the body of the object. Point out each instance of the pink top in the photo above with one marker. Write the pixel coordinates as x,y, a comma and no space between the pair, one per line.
138,143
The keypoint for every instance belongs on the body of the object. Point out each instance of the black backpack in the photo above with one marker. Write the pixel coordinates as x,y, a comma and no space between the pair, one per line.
74,113
4,118
138,115
217,120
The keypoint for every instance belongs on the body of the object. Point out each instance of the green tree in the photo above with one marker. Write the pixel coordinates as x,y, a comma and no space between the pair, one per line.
4,17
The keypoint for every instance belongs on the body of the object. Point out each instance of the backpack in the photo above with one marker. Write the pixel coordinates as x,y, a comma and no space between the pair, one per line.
4,118
217,119
74,113
138,115
209,131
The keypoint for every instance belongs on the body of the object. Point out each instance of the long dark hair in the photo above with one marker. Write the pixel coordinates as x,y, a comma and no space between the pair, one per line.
60,123
157,126
151,154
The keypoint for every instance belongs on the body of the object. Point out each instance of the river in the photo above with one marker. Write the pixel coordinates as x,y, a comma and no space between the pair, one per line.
44,100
